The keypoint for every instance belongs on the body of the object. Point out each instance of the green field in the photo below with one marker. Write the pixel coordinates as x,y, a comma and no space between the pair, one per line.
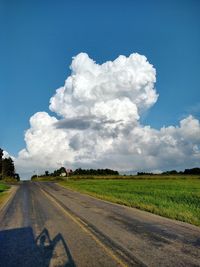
177,198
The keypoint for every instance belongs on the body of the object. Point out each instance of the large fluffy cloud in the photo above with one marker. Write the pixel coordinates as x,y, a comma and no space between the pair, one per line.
99,109
114,90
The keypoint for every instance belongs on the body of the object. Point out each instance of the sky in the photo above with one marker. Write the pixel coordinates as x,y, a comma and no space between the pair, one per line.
39,40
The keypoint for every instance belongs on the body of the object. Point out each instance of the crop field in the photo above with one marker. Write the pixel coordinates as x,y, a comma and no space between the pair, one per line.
176,198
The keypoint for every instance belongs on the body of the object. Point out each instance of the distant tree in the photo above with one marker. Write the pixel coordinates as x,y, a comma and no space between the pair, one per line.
192,171
46,173
170,172
186,171
145,173
34,177
58,172
102,172
8,167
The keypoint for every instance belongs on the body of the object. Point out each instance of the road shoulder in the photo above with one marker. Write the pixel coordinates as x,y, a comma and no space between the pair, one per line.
6,197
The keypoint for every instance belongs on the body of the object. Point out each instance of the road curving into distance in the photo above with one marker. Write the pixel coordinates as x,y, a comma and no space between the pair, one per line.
48,225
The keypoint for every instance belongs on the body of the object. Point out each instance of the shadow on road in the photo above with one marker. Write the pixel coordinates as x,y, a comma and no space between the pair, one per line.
18,247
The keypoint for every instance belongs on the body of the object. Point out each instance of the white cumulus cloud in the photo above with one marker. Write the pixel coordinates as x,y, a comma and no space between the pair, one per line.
93,89
99,109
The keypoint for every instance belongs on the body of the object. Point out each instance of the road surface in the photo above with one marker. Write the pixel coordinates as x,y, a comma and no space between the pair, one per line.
47,225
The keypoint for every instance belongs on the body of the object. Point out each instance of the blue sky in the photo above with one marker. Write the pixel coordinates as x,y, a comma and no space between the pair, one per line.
39,38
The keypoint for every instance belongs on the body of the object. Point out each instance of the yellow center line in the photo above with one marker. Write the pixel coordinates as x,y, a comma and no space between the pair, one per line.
83,226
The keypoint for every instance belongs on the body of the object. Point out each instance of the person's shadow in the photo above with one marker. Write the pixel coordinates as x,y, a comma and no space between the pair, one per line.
47,247
19,248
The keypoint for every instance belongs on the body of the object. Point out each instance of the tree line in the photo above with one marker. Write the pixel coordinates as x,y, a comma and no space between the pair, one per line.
192,171
62,171
80,171
7,168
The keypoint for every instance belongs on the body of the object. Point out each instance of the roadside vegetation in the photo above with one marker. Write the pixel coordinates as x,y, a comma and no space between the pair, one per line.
3,188
176,197
3,192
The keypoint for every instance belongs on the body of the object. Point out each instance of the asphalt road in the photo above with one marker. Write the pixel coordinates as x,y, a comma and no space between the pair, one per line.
47,225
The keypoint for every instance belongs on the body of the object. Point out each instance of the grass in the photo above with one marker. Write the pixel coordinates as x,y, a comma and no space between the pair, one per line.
10,180
177,198
3,187
3,192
